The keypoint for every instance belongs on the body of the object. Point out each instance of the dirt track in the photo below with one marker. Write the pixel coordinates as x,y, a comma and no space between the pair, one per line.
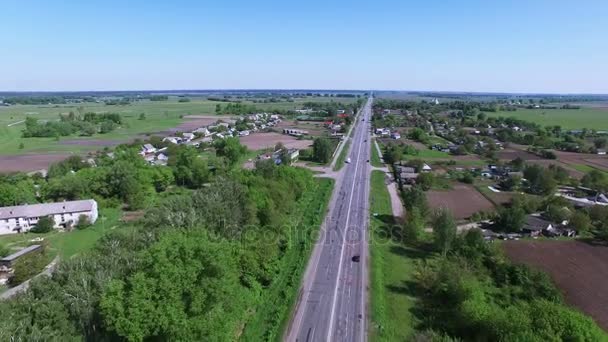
579,269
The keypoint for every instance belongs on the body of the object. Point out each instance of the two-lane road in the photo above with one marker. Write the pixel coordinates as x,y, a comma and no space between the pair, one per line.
332,303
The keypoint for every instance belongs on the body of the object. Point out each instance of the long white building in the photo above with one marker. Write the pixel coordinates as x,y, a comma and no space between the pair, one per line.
20,219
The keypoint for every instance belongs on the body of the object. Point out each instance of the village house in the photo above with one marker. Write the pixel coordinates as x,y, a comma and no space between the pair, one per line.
173,140
382,131
202,131
294,132
534,225
20,219
147,149
188,136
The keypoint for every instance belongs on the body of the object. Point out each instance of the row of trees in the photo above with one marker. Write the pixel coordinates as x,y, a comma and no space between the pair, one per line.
124,178
86,125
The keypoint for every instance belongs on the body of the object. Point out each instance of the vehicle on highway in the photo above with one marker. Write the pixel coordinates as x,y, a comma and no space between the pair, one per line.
356,258
347,160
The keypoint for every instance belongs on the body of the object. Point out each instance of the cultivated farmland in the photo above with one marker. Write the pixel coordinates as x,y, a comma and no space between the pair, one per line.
579,269
586,117
462,200
259,141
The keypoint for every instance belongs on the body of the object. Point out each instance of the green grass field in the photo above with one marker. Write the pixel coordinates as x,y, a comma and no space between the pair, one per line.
586,168
392,267
160,115
68,244
592,118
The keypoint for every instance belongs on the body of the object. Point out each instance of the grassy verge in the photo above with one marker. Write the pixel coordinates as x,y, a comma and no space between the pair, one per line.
586,168
342,156
376,161
270,320
68,244
392,268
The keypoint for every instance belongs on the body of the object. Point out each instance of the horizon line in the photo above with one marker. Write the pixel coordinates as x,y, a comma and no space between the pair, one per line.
202,90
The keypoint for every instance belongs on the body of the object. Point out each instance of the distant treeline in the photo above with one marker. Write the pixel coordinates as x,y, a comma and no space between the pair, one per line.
86,125
159,98
35,100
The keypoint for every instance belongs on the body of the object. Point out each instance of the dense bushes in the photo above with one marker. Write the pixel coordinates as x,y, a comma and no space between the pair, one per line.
475,295
87,125
193,269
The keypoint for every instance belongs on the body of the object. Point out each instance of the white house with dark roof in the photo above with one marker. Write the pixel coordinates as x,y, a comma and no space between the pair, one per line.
19,219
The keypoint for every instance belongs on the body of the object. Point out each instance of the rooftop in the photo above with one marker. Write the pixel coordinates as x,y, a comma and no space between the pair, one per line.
45,209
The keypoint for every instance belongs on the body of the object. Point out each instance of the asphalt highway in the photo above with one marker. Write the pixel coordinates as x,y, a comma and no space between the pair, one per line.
332,305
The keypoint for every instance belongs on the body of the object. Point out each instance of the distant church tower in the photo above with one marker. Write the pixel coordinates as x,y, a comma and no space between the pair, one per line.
436,101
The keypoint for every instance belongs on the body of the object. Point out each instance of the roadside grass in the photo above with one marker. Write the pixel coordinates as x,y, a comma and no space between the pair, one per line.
586,168
376,161
270,320
342,157
392,268
68,244
566,118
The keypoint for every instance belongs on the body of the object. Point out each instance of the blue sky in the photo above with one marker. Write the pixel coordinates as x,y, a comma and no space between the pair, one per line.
468,45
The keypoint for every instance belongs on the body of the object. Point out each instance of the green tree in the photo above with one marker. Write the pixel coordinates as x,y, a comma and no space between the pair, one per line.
596,180
580,221
45,224
187,288
231,149
444,230
17,193
426,180
415,197
414,226
189,168
511,219
557,214
83,222
321,150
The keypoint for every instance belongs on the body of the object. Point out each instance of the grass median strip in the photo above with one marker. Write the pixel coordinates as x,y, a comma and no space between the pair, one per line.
342,156
392,267
376,161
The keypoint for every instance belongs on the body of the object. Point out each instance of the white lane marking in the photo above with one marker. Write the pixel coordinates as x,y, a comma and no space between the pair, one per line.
299,315
350,202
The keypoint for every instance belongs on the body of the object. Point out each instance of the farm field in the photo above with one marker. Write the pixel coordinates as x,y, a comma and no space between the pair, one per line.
261,141
586,117
29,162
161,116
579,269
314,128
462,200
497,198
